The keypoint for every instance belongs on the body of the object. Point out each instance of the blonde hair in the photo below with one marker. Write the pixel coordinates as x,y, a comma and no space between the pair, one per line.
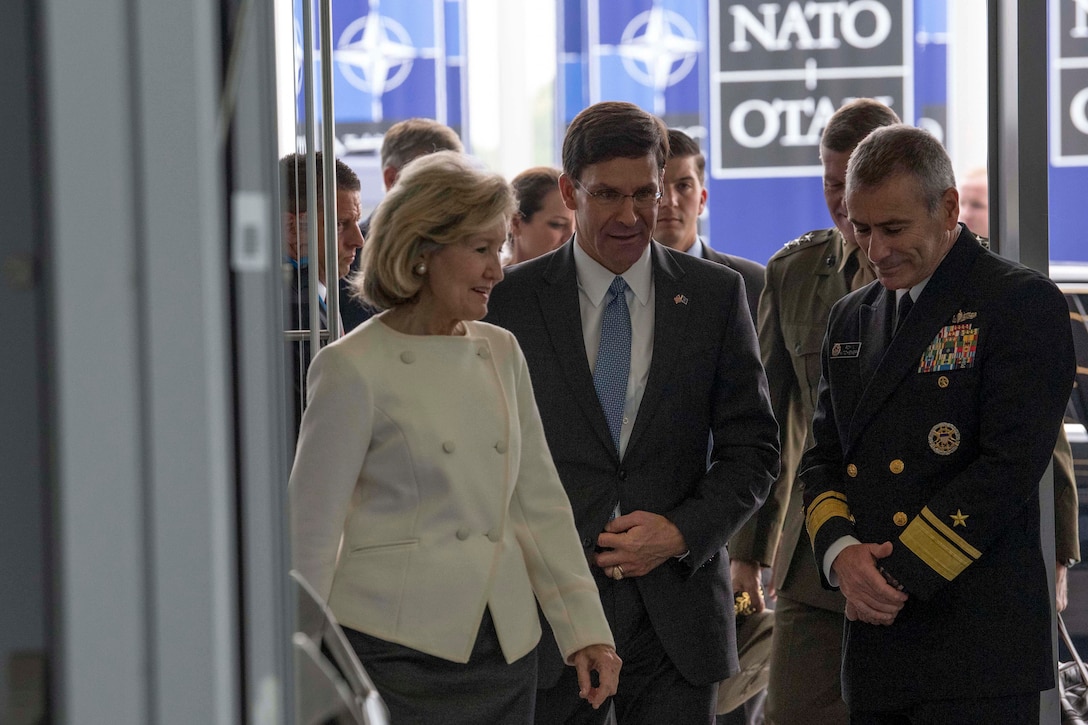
438,199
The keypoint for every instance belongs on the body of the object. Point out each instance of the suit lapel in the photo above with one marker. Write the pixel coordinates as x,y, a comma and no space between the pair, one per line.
560,303
940,300
670,321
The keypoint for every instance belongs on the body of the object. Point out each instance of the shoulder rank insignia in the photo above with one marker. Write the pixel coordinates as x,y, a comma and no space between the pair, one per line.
953,348
944,439
962,316
845,349
799,241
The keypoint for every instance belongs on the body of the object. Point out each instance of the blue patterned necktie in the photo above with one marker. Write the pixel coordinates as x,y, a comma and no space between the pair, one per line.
614,358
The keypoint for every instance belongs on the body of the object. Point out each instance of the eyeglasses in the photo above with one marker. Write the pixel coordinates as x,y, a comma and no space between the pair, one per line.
612,199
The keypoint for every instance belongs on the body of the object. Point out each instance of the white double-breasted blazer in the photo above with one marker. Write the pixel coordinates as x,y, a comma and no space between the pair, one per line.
426,456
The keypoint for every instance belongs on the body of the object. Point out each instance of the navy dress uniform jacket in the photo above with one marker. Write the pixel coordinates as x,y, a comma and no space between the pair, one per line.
936,442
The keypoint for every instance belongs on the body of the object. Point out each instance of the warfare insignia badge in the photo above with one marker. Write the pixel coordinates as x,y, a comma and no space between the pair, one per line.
944,439
962,316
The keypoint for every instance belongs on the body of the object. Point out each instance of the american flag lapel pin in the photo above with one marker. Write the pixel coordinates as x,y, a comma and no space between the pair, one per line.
680,300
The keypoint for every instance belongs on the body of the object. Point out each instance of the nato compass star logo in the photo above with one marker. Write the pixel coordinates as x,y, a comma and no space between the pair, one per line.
375,54
658,49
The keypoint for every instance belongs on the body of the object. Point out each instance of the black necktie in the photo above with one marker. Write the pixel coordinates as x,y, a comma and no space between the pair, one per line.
905,306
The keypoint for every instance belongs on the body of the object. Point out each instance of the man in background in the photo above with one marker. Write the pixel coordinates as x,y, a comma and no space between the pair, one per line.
405,140
804,279
975,202
299,251
683,200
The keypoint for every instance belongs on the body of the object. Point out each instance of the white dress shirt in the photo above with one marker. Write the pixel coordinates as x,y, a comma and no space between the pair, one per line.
593,283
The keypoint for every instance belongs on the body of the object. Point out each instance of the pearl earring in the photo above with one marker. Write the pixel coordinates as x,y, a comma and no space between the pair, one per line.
420,269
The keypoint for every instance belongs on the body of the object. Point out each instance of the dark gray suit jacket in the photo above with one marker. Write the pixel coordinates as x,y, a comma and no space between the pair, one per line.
705,376
754,274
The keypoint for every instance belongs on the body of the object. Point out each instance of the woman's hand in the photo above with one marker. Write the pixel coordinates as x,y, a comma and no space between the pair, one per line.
602,659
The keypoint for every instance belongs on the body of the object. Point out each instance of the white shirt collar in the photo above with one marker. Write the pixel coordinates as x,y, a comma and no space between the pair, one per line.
696,249
915,291
595,279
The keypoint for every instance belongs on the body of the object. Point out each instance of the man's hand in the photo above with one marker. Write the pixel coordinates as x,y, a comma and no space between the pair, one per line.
1061,587
640,542
869,596
746,578
602,659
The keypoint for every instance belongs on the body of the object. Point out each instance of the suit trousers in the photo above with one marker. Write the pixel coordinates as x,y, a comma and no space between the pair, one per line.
651,690
419,688
805,685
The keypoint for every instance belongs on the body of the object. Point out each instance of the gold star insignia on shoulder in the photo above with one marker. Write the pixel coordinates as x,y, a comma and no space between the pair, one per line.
962,316
959,519
679,300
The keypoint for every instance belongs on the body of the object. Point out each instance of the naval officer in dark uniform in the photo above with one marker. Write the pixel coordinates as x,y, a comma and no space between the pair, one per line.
943,391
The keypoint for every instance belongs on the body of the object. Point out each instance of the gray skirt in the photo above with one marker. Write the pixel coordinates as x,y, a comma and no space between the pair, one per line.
421,689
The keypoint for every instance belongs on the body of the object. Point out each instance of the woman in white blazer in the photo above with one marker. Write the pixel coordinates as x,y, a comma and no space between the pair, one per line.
425,505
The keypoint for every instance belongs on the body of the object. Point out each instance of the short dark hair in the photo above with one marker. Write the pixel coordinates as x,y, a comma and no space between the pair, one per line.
530,188
413,137
853,122
682,146
902,149
613,130
293,181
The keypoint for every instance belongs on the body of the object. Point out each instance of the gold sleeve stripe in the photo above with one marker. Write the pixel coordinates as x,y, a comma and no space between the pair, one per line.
824,507
933,549
949,534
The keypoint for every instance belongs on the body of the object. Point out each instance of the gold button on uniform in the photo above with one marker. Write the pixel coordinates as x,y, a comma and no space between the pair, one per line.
942,382
852,471
896,466
408,357
900,518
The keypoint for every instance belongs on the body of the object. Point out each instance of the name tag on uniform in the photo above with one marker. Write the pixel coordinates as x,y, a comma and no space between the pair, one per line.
953,349
845,349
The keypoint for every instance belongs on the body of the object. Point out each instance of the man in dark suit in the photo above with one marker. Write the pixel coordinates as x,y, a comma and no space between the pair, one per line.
638,354
348,241
942,394
683,200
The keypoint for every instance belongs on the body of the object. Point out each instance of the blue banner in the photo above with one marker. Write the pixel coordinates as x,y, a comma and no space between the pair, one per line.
392,60
754,82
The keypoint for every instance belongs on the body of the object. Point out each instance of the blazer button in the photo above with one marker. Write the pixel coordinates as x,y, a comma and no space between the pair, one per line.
463,533
942,382
622,474
494,535
501,446
449,447
852,471
587,542
407,357
484,353
900,518
896,466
